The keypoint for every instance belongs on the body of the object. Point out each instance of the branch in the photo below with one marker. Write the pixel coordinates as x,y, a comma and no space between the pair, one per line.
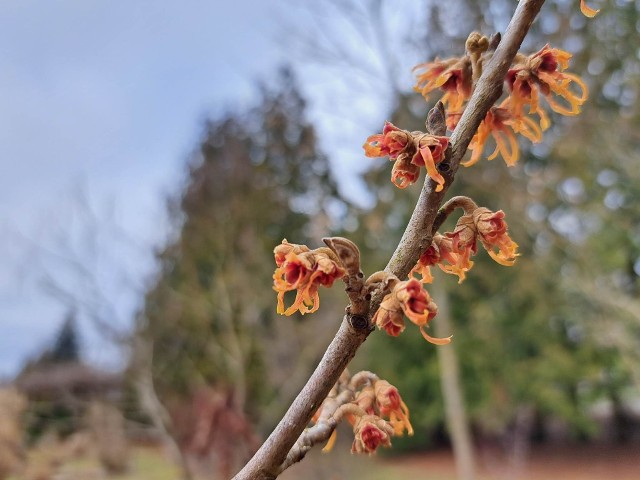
265,464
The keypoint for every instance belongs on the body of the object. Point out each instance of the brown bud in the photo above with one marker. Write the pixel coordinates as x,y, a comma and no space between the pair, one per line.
347,252
436,120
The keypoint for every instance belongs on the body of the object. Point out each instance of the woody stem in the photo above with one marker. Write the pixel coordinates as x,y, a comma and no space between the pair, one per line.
265,464
449,206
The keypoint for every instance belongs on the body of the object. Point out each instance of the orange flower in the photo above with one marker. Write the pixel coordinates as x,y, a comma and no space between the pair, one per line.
389,316
453,76
410,298
409,150
587,11
496,124
429,258
281,251
417,305
431,150
492,230
304,270
543,71
404,173
370,432
458,261
390,404
390,143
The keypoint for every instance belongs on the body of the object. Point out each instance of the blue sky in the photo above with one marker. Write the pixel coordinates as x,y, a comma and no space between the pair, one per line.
102,102
100,105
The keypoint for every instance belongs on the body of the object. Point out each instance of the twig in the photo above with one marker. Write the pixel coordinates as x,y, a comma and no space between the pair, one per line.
265,464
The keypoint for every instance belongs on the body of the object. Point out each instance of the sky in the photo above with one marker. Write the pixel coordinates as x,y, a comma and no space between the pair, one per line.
100,105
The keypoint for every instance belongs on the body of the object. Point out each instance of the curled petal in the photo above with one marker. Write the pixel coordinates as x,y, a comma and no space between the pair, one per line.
404,173
331,442
371,432
389,316
587,11
492,230
433,340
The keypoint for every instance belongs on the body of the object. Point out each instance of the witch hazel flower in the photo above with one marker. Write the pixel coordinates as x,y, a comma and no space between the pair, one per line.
371,432
543,72
304,271
409,151
492,232
453,76
408,298
502,125
390,405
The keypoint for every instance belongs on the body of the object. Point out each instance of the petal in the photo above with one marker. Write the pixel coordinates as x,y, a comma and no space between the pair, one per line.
587,11
435,341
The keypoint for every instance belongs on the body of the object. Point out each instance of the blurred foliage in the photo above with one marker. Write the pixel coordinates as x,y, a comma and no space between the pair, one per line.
552,332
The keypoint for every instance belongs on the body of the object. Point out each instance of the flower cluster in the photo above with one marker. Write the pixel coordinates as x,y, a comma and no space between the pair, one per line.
304,270
452,251
530,76
409,151
373,407
408,299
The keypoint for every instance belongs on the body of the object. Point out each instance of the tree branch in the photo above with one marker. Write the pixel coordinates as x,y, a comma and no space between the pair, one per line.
266,462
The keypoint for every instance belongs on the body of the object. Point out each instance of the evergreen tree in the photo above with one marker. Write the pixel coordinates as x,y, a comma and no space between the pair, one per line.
66,346
257,177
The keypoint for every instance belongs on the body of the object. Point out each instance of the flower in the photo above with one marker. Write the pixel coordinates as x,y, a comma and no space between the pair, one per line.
390,404
409,151
390,143
410,298
431,150
501,123
370,432
587,11
417,305
492,230
404,173
304,270
458,260
430,257
398,145
453,76
389,316
281,251
544,71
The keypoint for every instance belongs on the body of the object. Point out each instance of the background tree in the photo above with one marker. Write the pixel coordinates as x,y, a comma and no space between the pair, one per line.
257,176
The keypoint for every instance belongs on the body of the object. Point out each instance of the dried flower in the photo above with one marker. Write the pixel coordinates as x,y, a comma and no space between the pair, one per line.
390,405
453,76
370,432
303,270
